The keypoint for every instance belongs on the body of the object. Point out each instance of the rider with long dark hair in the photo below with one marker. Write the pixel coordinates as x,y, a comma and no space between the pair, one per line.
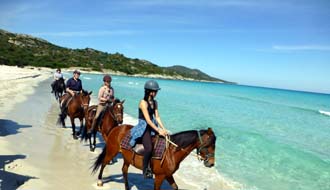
149,123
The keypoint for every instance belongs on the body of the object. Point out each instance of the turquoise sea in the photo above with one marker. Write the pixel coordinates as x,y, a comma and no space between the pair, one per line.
267,139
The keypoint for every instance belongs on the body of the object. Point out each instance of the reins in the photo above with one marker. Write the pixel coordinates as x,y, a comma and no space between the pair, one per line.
199,157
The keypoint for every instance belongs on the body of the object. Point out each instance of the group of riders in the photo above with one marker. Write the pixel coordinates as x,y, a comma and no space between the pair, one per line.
149,121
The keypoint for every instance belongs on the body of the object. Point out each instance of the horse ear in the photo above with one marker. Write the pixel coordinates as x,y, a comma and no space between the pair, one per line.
90,92
123,101
209,131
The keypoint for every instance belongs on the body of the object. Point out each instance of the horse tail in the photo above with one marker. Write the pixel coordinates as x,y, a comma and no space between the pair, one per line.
99,160
62,116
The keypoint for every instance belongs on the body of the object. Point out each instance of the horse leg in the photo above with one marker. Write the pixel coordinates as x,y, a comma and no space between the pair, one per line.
81,126
94,141
73,129
110,153
90,143
158,181
125,175
171,181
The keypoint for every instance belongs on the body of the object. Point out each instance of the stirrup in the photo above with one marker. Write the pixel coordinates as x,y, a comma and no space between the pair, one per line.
147,173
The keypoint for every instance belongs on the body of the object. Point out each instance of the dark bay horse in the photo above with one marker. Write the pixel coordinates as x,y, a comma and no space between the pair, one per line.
76,108
187,141
113,115
59,88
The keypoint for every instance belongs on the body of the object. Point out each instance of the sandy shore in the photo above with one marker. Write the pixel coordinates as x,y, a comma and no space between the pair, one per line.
37,154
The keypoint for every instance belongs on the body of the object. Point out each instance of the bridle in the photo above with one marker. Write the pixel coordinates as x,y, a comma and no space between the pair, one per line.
203,147
114,115
83,105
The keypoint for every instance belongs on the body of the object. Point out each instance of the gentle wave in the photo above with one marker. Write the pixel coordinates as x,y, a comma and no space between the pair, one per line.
272,103
324,112
193,172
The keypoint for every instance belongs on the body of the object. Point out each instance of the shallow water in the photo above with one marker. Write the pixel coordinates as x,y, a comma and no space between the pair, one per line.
267,138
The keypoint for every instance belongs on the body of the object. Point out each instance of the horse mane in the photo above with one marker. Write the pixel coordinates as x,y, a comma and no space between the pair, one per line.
184,138
85,92
116,101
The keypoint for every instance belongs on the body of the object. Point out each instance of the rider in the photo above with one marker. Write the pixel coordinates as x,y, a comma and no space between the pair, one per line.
149,120
57,75
106,95
73,85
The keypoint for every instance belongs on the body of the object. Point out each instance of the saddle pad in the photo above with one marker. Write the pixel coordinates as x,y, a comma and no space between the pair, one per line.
158,149
125,142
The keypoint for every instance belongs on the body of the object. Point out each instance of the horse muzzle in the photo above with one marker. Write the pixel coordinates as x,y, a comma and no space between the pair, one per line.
208,164
209,161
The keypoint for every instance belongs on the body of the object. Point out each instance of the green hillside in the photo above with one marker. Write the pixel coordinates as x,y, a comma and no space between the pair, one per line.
26,50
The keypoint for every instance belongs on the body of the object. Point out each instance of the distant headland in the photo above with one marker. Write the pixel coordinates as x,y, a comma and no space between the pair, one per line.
25,50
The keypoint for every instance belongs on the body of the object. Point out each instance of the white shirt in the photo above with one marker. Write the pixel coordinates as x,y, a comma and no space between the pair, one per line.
58,75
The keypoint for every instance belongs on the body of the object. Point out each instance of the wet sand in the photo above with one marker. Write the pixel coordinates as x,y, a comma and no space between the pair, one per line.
38,154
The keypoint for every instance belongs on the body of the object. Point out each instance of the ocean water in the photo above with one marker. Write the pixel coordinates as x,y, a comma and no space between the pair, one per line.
267,139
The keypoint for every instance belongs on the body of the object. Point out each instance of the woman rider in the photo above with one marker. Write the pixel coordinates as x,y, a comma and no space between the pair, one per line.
106,95
149,120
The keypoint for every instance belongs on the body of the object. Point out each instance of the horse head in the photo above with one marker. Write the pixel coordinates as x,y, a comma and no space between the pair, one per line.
85,98
206,148
118,111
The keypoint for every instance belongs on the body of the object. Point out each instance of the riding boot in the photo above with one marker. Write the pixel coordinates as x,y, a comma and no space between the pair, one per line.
147,173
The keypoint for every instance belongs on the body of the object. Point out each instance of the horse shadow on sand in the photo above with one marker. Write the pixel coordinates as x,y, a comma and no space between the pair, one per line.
136,181
9,127
9,180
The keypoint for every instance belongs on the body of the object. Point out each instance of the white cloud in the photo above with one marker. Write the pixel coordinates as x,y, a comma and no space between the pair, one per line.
301,47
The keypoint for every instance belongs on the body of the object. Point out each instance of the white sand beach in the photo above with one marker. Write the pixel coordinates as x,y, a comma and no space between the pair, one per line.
37,154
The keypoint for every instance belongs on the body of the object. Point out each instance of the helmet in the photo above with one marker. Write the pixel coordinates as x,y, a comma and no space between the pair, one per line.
76,71
151,85
107,78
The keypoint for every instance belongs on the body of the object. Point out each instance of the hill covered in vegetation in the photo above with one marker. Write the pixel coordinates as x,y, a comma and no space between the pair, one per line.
26,50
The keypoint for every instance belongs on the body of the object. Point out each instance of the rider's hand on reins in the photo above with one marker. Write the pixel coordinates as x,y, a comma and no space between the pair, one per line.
162,132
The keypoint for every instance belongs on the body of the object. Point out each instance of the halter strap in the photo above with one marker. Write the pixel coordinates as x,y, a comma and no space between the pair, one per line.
208,155
198,148
199,136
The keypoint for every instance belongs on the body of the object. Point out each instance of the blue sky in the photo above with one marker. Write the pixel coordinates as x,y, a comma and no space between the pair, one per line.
271,43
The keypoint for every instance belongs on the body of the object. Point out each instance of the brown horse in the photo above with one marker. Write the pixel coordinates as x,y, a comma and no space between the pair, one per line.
76,108
187,141
112,116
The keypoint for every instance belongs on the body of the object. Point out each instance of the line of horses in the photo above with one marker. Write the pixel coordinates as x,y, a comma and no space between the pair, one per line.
113,132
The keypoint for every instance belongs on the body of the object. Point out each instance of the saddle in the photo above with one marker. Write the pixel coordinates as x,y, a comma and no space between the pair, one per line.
91,114
159,146
65,101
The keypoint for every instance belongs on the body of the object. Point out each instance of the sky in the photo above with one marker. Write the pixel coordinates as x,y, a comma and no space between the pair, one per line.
269,43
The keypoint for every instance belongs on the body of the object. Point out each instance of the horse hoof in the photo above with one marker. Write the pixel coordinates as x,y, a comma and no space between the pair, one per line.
92,149
175,186
99,183
75,137
78,133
